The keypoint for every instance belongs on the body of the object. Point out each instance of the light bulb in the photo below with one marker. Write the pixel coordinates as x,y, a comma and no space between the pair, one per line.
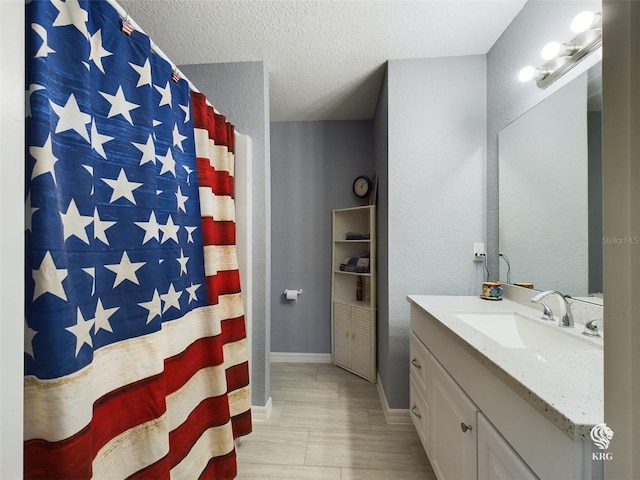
584,21
526,74
550,50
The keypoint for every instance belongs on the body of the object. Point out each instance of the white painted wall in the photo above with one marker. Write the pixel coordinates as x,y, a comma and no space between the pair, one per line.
436,195
11,236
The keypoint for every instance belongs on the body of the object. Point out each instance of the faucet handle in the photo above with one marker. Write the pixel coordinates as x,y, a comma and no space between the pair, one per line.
591,328
547,313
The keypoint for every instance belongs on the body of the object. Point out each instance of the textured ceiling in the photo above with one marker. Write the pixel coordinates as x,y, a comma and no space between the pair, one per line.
325,58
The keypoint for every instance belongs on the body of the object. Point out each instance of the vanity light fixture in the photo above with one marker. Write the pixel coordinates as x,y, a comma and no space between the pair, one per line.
527,73
551,50
562,57
585,21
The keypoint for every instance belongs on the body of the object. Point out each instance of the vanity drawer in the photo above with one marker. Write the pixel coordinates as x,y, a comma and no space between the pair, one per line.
419,362
419,411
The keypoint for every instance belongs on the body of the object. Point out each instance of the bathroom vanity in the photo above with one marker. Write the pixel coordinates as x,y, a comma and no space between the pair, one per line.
497,393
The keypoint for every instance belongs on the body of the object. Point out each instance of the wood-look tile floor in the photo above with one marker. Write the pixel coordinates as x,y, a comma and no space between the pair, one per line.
328,424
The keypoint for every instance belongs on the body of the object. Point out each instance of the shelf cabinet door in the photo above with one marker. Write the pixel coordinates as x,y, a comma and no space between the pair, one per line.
342,335
361,344
497,460
453,428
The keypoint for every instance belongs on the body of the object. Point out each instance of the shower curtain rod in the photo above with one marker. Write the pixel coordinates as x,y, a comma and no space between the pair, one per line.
158,51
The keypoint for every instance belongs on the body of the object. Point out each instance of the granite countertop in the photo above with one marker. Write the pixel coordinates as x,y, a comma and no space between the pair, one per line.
563,385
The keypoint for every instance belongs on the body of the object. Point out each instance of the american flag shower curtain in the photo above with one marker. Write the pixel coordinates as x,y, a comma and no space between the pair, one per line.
135,348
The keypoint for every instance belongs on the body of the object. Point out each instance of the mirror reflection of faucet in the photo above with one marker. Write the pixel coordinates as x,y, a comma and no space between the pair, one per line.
591,328
566,316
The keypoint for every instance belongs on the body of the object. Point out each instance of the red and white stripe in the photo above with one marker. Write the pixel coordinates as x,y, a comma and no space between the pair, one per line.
155,398
215,161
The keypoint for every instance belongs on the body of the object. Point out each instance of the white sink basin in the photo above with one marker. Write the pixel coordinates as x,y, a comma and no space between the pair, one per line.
514,330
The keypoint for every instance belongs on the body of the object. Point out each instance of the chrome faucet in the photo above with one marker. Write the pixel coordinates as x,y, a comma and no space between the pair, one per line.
566,316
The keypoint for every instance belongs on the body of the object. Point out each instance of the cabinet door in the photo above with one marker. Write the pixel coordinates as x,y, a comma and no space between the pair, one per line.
453,428
497,460
342,335
361,341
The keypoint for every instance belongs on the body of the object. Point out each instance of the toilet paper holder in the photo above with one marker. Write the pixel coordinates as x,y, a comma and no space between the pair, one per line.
291,294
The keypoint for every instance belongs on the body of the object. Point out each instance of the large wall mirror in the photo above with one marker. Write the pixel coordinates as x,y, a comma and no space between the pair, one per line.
550,192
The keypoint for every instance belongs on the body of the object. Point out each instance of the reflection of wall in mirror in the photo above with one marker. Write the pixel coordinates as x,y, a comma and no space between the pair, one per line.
543,190
594,125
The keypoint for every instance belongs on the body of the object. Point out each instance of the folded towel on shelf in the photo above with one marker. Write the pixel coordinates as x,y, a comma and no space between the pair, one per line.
357,264
357,236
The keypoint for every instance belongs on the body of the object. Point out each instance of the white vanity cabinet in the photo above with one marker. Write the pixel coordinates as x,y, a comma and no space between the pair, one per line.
472,424
444,416
497,460
460,441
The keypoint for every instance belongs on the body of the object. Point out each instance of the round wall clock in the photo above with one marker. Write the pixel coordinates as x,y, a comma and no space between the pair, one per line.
362,186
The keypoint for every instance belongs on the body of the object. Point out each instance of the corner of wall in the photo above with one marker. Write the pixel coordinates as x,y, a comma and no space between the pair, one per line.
393,416
267,233
381,161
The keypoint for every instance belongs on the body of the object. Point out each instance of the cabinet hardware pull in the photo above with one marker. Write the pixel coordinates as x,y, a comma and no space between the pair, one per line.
464,427
353,336
416,364
415,411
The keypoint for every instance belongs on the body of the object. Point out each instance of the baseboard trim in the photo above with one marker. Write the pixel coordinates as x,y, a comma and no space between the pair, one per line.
292,357
262,414
392,415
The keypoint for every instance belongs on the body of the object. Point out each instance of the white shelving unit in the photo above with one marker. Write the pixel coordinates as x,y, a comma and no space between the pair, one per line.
353,320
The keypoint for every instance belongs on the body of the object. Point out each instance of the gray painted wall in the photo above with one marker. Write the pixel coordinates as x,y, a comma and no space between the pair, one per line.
436,194
538,23
241,92
313,165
